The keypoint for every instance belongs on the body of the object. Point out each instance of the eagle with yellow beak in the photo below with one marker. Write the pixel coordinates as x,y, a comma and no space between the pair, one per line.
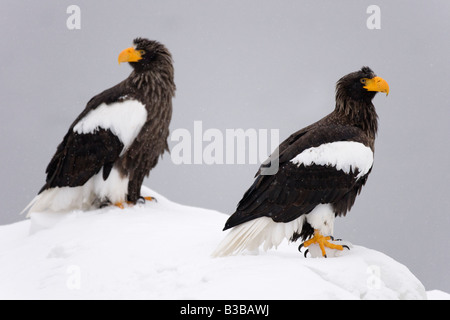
116,140
320,171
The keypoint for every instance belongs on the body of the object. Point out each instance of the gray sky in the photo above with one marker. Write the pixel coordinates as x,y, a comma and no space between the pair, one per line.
255,64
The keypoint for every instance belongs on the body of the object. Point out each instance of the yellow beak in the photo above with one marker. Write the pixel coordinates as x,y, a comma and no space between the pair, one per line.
377,84
129,55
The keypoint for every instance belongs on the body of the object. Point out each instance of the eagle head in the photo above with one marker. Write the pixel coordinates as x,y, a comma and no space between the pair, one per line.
146,55
361,85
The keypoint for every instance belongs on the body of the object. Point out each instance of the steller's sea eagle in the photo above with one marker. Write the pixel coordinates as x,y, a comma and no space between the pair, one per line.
321,170
116,140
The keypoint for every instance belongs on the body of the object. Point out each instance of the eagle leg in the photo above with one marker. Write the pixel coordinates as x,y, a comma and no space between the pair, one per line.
322,241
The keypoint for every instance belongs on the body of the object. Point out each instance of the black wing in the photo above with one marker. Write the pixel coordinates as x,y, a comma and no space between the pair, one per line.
80,156
296,190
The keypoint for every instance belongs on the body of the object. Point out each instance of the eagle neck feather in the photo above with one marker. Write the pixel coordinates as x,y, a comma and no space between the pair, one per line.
360,114
153,83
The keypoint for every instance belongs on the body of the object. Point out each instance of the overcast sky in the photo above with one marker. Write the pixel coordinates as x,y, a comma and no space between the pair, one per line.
255,64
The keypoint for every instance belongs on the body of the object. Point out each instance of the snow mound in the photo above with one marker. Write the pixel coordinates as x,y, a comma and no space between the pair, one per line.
162,250
438,295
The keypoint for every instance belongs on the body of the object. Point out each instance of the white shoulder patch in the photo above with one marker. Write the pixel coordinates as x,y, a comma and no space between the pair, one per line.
125,119
344,155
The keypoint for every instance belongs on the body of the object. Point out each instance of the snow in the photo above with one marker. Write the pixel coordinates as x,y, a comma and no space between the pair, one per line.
437,295
344,155
162,250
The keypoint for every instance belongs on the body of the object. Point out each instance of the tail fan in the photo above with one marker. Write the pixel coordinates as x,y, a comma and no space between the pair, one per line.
252,234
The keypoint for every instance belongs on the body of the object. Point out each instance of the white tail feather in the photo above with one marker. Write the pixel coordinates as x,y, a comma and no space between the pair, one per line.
63,199
55,200
31,204
252,234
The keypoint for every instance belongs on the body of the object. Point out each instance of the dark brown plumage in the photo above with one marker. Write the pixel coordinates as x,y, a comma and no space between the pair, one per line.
117,139
153,80
299,186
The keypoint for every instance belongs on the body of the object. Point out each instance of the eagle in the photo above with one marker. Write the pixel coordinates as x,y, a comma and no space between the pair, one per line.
321,170
116,140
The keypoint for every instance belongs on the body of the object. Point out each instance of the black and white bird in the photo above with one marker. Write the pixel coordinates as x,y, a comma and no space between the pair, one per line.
116,140
321,170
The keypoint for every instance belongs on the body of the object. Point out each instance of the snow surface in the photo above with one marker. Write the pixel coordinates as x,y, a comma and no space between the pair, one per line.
162,250
437,295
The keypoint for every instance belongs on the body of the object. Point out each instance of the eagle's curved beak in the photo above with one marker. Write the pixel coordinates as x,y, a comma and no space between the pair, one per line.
377,84
130,55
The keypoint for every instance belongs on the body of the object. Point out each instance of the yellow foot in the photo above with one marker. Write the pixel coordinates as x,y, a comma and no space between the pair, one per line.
322,241
121,205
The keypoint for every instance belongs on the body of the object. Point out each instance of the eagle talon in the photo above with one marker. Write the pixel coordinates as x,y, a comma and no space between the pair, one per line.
322,241
300,247
144,199
151,199
334,239
104,204
119,205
